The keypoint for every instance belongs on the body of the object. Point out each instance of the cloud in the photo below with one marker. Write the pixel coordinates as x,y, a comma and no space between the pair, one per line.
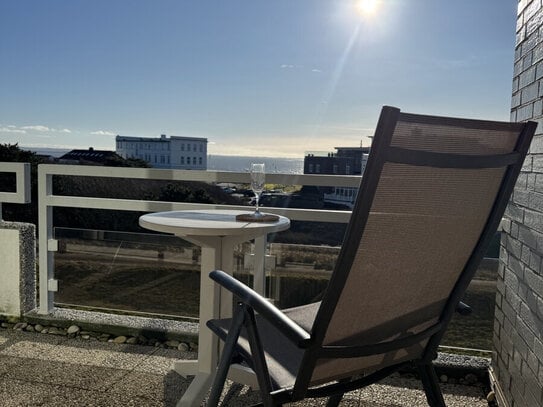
42,128
12,129
36,128
102,133
301,67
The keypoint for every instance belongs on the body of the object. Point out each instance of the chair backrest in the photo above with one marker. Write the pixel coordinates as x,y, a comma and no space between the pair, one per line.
431,198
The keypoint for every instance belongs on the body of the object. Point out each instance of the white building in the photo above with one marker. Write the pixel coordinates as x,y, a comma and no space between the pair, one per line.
183,153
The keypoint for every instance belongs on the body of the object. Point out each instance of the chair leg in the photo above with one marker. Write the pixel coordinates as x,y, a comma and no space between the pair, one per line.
431,385
259,359
226,358
333,401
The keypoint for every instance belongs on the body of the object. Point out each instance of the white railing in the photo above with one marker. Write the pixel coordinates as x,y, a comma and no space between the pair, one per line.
47,201
22,184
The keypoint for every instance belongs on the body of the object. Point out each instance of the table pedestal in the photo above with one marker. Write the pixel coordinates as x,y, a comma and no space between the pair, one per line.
215,302
216,231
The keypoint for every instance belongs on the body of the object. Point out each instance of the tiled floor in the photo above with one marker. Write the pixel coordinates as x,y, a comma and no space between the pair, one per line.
47,370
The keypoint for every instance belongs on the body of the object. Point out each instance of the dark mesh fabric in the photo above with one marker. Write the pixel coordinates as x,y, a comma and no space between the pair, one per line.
282,356
423,226
452,139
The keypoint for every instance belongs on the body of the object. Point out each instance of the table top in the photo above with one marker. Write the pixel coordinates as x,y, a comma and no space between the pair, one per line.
209,222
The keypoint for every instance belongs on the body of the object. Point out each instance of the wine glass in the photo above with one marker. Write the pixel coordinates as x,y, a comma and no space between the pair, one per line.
257,184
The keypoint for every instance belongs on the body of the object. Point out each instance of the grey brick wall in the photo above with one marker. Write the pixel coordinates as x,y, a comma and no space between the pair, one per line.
518,329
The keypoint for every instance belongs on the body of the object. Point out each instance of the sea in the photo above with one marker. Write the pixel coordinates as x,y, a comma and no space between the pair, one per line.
220,162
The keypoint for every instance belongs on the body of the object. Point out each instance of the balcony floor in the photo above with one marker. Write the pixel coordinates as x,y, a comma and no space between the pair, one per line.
48,370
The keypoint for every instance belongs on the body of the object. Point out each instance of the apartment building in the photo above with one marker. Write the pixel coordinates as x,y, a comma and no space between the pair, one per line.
345,161
185,153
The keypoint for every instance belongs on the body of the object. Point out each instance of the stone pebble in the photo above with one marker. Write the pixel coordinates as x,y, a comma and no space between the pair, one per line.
172,344
75,331
132,340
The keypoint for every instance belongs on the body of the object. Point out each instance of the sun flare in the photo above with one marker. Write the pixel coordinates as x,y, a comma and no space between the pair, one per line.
366,7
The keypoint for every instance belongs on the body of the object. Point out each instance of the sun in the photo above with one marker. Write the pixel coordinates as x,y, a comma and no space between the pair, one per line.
366,7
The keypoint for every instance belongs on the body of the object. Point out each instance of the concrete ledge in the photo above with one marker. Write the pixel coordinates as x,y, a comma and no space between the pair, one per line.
496,388
458,369
18,268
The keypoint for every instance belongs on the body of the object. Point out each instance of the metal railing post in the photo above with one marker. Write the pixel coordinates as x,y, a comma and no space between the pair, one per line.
46,261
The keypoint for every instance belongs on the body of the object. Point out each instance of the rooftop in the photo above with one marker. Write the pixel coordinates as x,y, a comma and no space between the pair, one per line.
162,137
89,155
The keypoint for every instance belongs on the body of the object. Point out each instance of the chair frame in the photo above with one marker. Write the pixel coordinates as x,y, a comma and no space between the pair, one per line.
312,342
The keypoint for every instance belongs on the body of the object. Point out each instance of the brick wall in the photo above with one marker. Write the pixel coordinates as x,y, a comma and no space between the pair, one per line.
517,360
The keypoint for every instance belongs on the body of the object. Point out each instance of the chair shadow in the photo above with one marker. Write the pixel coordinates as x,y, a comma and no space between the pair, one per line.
234,395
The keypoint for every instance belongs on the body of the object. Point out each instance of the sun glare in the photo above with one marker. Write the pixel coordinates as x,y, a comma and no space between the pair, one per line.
366,7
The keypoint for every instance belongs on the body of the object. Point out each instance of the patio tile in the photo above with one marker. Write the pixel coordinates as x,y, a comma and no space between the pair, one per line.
81,397
155,388
46,370
15,393
59,373
67,353
156,364
9,336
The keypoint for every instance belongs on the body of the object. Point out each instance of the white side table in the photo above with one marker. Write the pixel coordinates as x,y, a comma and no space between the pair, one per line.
217,232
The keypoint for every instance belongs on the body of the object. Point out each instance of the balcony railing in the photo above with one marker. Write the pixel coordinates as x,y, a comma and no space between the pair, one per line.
22,184
48,200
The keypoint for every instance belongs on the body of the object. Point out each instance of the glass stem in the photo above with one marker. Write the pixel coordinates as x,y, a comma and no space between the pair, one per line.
257,198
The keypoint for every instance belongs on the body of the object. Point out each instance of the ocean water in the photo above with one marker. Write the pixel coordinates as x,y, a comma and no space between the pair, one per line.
242,164
221,162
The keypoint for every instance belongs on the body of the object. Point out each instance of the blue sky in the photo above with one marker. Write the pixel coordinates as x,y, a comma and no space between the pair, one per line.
269,78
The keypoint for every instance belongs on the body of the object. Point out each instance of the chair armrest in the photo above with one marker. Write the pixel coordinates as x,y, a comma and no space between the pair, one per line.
463,309
271,313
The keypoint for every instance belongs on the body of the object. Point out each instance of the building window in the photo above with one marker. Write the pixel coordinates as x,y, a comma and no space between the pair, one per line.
310,168
182,160
182,147
162,159
318,168
200,160
201,148
193,160
188,147
347,169
335,168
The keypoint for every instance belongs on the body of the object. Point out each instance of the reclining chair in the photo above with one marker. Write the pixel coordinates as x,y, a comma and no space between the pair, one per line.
431,198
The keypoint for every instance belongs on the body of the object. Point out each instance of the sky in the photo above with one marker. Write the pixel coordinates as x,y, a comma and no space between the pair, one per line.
272,78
